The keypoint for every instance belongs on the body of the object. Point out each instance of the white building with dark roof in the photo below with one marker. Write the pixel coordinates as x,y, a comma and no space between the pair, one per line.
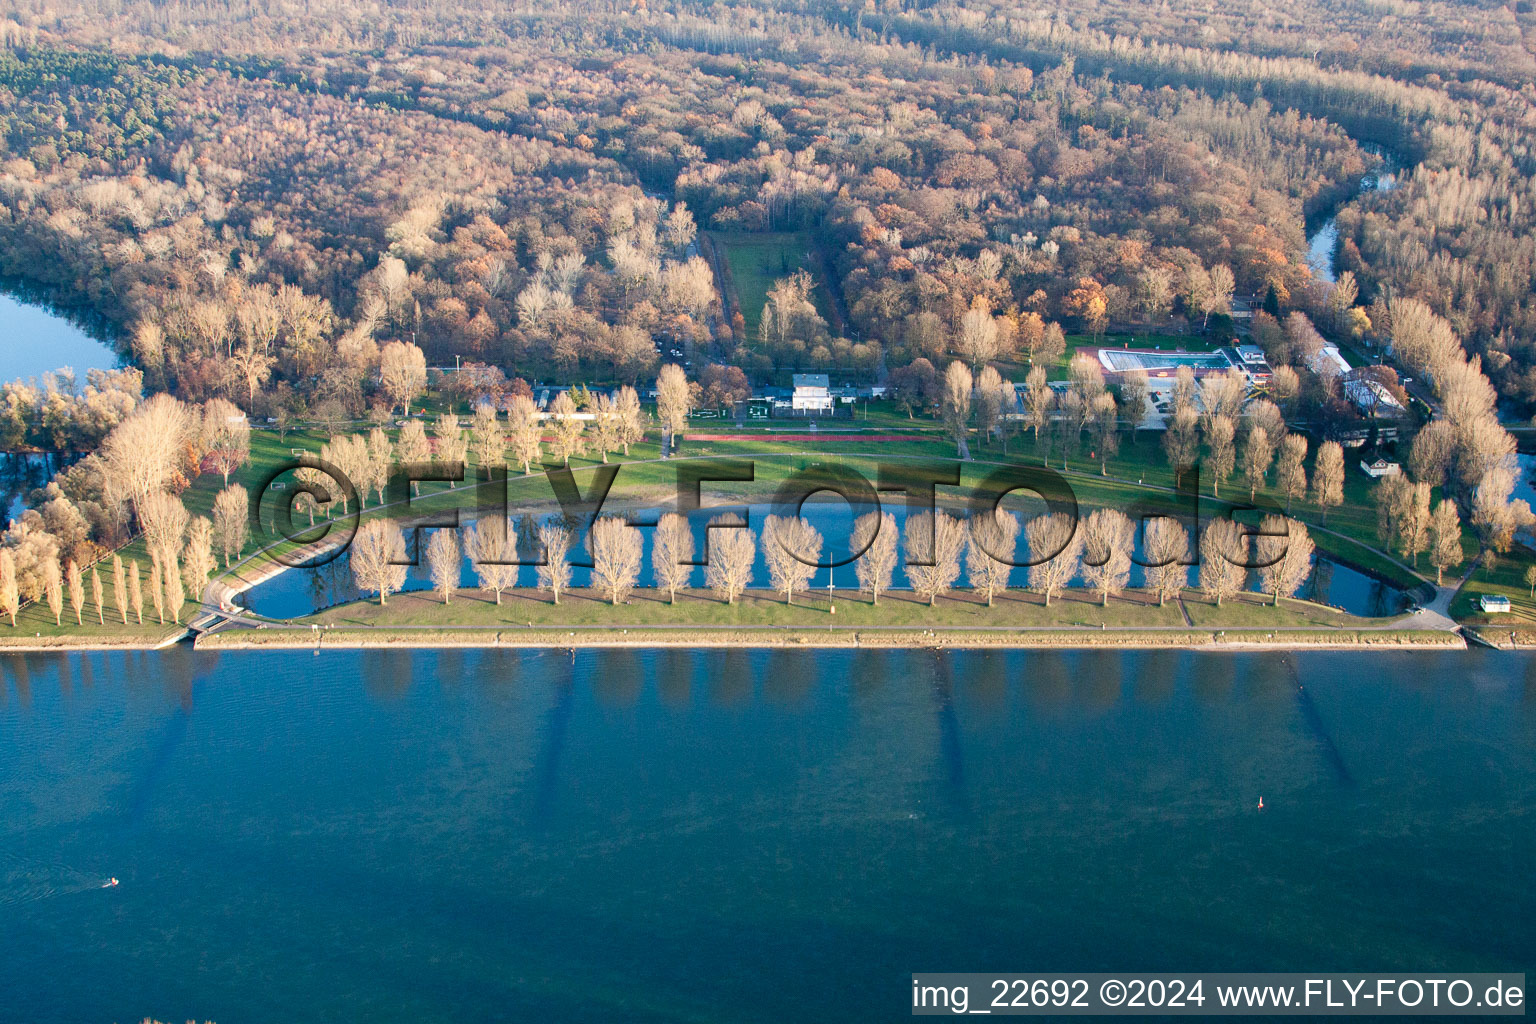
813,393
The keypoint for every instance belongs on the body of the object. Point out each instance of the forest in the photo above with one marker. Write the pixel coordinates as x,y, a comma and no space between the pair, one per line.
260,196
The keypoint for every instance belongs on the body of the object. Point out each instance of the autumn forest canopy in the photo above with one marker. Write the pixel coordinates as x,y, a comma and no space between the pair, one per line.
260,197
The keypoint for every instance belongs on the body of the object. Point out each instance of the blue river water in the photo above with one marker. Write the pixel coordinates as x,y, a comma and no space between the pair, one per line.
35,340
300,591
678,835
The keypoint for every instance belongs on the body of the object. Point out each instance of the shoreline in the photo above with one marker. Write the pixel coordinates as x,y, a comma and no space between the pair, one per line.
845,639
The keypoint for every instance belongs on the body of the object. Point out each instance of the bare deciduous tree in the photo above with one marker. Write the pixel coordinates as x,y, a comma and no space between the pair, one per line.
876,534
485,436
956,404
1108,536
135,592
98,596
731,552
631,418
569,431
120,587
10,595
491,544
1444,539
443,563
1222,458
525,435
231,521
1055,548
378,558
1284,554
989,554
791,547
1257,455
413,448
671,551
1223,559
1290,473
77,590
402,373
617,555
555,573
1166,545
934,542
674,401
197,561
1328,477
53,586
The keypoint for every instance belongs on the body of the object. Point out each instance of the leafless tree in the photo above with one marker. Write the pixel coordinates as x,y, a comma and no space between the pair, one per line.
1038,400
156,592
617,555
1055,546
731,553
402,373
1496,517
1290,473
1108,537
1257,455
226,437
486,437
978,333
53,586
443,563
120,587
569,440
1181,441
876,534
791,547
1433,450
231,521
555,573
135,592
989,554
163,519
1223,559
956,404
145,450
937,539
524,432
98,597
175,593
1328,477
413,448
197,561
492,547
1219,434
10,595
671,551
1444,539
1284,553
1166,545
630,416
674,400
378,558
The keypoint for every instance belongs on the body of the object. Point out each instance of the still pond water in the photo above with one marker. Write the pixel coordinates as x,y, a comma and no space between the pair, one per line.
678,835
35,339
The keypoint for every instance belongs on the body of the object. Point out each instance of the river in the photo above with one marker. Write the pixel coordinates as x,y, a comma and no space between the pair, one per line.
1323,242
642,835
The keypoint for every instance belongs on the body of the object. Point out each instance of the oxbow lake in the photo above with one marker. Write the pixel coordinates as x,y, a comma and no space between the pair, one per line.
35,340
755,836
300,591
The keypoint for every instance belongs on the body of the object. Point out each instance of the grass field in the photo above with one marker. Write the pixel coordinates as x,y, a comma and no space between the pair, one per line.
756,261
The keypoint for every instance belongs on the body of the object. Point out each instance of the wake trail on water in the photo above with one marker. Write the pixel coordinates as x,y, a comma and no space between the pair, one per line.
1318,728
27,881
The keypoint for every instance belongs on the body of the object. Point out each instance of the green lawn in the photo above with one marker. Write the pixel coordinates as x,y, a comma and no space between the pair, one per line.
701,609
756,261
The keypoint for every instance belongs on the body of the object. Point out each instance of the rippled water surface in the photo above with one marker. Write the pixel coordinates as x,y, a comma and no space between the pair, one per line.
672,835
